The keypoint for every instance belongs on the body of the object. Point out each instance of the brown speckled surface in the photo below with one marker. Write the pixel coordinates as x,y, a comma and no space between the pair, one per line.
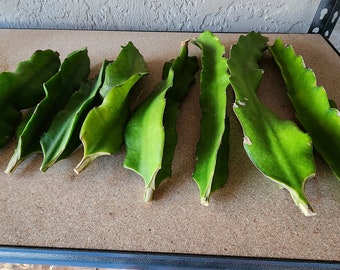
103,207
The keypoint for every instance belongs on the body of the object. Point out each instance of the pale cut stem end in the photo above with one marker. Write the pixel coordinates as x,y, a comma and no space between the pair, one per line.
12,164
205,201
87,160
205,197
148,194
150,187
303,204
45,167
306,209
83,164
184,43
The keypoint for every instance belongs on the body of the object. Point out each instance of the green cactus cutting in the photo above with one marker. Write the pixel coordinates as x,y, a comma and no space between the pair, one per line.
150,137
62,137
102,132
58,89
212,153
23,89
319,116
277,147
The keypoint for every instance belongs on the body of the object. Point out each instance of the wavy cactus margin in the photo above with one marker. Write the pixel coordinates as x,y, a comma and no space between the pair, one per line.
277,147
317,115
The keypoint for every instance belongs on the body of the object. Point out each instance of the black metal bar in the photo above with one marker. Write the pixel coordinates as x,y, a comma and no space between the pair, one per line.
143,260
325,18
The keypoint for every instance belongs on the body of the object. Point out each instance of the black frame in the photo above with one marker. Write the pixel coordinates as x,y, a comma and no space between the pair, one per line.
149,260
324,23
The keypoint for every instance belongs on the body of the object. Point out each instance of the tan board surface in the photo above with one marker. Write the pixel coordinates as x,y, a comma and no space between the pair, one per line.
103,207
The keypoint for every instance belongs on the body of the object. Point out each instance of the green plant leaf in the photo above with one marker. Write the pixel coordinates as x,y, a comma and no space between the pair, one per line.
185,69
23,89
102,132
58,89
62,137
150,134
144,136
318,116
277,147
211,169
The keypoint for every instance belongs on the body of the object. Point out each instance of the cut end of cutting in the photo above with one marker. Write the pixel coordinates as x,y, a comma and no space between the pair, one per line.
87,160
45,166
184,43
205,201
148,194
83,164
302,202
306,209
12,164
10,168
43,169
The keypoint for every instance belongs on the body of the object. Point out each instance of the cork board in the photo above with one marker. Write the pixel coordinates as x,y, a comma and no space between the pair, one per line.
103,207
